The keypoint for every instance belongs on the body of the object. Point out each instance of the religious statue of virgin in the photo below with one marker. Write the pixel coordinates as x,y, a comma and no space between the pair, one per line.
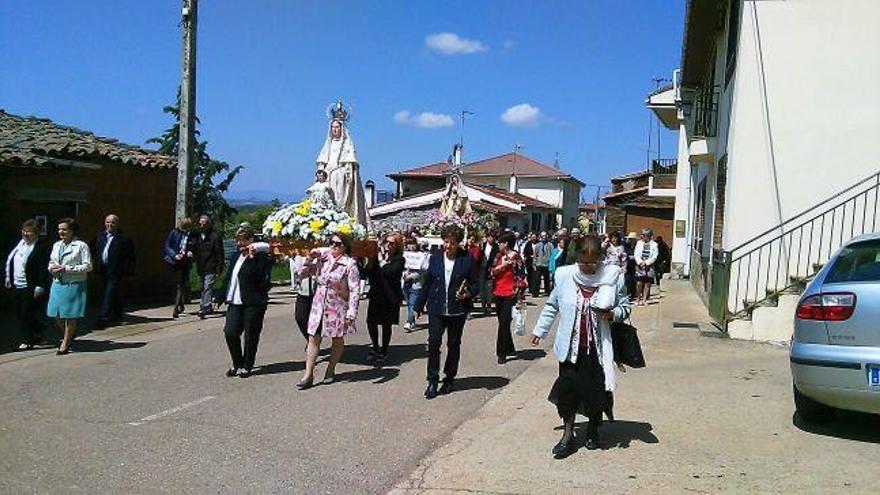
339,161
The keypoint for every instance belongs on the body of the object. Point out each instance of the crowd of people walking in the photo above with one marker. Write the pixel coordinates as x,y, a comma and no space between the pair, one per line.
590,281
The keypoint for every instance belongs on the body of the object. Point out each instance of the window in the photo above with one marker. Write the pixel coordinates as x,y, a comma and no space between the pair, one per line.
857,263
536,222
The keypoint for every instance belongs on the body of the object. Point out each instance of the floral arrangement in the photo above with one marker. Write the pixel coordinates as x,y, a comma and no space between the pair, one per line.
310,221
476,221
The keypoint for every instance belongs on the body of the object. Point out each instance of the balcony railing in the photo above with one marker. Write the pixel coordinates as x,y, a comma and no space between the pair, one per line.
705,114
664,166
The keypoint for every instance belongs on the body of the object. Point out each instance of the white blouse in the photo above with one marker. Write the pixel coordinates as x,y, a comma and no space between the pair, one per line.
75,257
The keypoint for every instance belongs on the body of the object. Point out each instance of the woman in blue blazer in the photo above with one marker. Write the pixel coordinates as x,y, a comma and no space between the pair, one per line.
448,292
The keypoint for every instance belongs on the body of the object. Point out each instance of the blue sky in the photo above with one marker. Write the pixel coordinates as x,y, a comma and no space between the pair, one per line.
576,74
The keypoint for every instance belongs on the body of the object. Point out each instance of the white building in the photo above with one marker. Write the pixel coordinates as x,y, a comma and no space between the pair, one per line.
776,108
547,197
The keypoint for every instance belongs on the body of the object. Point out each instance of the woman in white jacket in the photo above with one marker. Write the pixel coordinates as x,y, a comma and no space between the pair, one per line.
69,264
646,253
587,297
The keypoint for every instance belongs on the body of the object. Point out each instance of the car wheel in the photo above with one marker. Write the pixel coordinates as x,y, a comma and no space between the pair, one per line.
809,410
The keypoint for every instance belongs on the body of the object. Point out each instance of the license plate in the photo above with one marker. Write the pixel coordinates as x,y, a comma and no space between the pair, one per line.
874,376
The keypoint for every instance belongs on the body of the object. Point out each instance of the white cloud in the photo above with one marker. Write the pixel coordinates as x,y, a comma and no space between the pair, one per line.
523,115
508,45
424,120
452,44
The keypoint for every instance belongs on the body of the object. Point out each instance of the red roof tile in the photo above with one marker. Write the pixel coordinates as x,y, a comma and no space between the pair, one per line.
498,165
513,197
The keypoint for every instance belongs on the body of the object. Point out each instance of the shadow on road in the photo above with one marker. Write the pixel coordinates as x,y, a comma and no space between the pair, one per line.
531,354
848,425
375,375
80,346
617,435
480,382
397,354
276,368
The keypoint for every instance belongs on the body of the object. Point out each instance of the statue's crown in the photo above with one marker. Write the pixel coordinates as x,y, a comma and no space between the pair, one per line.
338,111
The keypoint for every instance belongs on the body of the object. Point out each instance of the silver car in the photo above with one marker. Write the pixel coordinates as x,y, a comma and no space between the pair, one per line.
835,350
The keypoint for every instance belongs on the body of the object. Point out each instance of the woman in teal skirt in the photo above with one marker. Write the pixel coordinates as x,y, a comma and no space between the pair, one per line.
69,264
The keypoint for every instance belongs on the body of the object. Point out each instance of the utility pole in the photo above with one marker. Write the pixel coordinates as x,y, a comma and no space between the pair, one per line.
187,124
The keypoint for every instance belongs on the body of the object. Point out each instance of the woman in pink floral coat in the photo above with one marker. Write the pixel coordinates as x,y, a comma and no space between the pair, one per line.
335,305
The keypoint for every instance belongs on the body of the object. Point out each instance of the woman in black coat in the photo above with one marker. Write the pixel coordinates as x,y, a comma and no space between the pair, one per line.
385,295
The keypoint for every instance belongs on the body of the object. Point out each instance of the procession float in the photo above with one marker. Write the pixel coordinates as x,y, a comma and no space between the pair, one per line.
335,203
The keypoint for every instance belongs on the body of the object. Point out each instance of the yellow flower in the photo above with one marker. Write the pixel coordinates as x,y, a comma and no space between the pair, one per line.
345,229
316,225
276,227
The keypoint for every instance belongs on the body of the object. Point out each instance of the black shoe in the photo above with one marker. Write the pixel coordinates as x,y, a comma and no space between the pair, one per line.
431,391
231,372
175,313
502,359
305,384
202,315
59,352
245,372
564,449
592,442
447,386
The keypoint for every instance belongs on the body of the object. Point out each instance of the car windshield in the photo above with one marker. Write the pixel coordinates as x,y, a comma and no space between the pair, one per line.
859,262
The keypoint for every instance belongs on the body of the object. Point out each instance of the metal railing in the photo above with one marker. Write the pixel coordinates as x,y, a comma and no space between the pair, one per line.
787,256
664,166
705,111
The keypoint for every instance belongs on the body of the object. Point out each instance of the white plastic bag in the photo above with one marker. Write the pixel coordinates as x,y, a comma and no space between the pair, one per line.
519,320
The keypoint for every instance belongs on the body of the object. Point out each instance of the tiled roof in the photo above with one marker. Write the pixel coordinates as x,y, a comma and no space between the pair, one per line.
514,197
432,170
632,175
498,165
35,142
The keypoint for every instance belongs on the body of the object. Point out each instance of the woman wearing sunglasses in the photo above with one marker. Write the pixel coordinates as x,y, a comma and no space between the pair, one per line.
335,306
385,274
587,297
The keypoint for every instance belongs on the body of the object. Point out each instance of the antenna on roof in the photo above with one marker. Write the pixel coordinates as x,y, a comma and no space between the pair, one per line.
461,136
556,161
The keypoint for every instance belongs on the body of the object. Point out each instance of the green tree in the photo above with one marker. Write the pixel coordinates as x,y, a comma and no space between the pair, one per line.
211,178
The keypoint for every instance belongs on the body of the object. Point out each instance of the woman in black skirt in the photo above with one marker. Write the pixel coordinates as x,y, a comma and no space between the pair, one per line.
587,297
386,293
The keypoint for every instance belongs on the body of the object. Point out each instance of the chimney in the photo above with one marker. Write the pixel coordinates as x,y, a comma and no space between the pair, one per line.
370,190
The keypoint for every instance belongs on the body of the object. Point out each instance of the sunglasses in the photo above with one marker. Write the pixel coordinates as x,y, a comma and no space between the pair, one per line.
388,242
336,243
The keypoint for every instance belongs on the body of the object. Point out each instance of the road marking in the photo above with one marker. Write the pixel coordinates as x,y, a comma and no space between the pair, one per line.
173,410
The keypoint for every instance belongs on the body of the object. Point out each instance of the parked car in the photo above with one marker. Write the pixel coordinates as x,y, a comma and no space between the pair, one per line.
835,350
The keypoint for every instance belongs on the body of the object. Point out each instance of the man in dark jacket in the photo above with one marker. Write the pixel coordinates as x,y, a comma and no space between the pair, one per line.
209,262
490,252
449,288
26,275
113,255
246,292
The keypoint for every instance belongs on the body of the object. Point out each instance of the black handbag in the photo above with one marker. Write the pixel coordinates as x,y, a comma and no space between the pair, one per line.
625,341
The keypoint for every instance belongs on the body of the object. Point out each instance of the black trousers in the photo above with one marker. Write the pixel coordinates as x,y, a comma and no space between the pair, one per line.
543,274
504,342
373,328
248,320
28,310
111,303
301,311
181,294
454,326
532,277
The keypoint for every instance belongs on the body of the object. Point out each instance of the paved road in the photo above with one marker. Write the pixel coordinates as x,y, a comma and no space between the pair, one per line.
153,412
